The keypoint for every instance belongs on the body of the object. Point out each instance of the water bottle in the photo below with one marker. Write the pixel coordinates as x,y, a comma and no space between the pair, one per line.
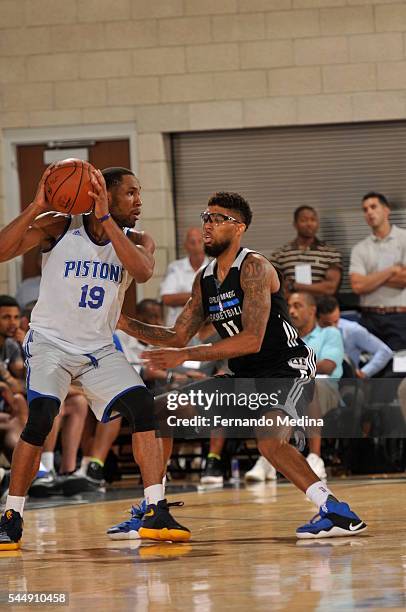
235,469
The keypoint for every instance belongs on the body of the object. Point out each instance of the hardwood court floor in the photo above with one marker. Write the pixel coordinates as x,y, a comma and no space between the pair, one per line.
243,556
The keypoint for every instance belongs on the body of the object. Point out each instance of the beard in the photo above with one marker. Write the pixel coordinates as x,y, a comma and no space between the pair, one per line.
122,223
216,249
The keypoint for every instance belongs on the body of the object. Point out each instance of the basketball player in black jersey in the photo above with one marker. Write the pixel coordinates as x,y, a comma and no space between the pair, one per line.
240,293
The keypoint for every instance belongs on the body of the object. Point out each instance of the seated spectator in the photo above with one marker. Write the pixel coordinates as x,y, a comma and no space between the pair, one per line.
326,342
357,339
13,417
13,405
307,263
11,356
177,284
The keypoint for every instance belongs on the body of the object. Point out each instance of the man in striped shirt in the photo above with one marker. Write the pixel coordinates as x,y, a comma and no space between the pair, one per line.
307,263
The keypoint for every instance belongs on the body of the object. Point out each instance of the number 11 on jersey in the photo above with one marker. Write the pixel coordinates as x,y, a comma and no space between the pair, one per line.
231,328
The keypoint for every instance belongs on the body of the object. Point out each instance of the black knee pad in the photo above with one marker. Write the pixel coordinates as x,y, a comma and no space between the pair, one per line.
41,414
137,406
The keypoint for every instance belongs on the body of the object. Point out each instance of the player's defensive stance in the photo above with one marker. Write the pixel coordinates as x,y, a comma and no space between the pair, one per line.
240,293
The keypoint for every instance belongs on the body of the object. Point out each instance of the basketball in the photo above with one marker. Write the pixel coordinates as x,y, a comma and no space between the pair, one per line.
67,187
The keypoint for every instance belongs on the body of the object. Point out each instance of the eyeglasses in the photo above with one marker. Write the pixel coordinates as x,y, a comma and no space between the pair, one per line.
216,218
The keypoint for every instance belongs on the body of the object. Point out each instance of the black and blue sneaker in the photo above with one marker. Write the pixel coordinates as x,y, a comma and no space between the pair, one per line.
335,519
11,530
159,524
128,530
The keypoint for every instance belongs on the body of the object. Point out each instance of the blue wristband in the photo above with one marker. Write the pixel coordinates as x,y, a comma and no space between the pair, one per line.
104,218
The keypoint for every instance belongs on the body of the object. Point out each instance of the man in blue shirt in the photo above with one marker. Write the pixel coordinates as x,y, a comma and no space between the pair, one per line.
357,339
328,345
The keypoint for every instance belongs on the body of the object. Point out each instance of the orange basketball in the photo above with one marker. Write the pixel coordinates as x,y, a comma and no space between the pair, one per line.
67,187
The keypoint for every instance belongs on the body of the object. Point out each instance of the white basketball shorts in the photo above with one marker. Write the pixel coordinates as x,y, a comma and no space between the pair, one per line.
103,376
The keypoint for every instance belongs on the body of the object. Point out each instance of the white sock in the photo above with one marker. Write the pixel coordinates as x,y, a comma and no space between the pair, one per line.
164,484
318,493
154,494
47,460
16,503
42,467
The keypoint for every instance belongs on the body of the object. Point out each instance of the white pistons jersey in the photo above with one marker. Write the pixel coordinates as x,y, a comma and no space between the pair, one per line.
81,293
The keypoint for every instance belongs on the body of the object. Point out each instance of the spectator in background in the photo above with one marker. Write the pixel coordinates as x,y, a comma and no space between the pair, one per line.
13,417
11,357
177,284
28,289
307,263
357,339
13,405
378,274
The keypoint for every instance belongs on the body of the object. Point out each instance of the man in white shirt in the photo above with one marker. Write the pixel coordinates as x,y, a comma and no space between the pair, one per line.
177,285
378,274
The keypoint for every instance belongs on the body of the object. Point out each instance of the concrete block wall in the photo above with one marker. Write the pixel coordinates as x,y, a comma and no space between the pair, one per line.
179,65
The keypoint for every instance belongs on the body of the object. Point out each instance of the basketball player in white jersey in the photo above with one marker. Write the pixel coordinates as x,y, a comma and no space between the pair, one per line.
88,262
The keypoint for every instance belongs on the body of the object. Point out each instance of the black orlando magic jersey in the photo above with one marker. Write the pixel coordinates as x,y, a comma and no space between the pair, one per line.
282,352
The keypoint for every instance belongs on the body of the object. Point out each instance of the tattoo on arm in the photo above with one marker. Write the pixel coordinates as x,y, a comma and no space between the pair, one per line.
192,316
256,278
151,334
187,324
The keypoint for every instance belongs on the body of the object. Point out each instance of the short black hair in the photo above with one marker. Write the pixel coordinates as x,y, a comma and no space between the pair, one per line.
309,297
327,304
232,201
300,209
7,300
143,306
379,196
113,176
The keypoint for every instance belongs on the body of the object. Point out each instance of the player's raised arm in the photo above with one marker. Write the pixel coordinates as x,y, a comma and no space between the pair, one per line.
186,326
258,277
31,228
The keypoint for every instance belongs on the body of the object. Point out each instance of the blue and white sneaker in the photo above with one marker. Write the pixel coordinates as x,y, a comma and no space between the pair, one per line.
334,519
128,530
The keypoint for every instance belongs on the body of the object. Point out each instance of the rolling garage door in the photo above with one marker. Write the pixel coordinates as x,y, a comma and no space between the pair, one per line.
278,169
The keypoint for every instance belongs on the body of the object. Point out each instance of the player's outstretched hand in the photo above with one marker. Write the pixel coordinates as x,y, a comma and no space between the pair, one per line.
99,194
162,359
40,200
